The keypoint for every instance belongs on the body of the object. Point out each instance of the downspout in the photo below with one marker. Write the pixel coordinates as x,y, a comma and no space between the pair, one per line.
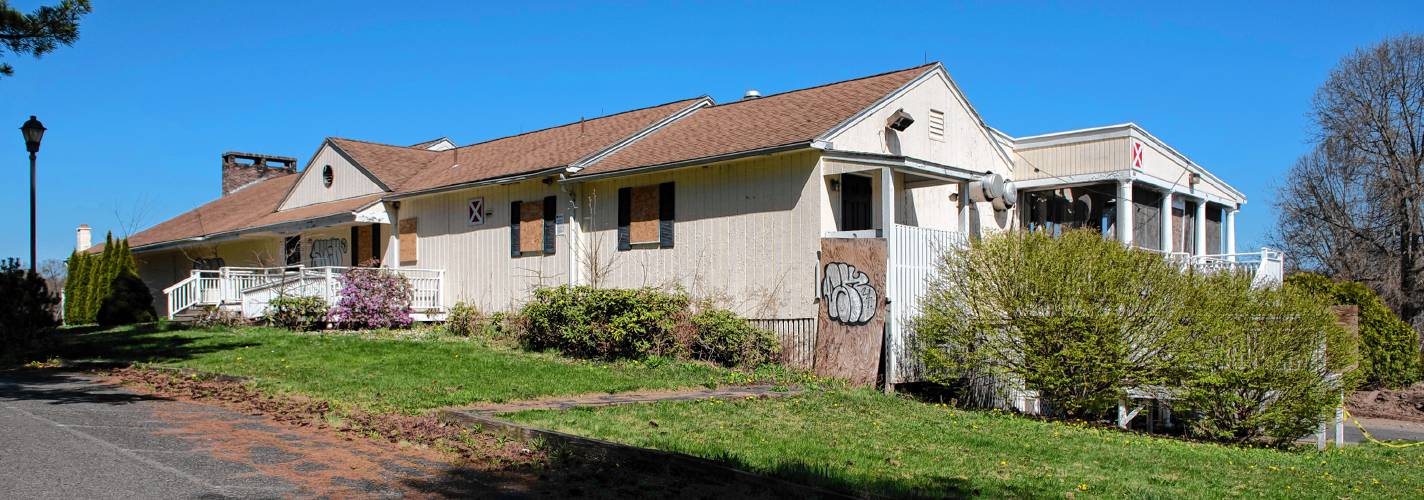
571,223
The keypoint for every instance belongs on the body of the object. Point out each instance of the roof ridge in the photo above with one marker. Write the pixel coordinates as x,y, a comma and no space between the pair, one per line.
373,143
634,110
813,87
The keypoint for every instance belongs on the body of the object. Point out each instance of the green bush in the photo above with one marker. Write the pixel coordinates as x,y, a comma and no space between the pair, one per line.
607,323
128,302
297,312
1256,370
29,307
729,340
1078,318
1389,347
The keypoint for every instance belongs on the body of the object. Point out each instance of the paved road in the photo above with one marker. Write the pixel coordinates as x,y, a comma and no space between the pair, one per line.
70,436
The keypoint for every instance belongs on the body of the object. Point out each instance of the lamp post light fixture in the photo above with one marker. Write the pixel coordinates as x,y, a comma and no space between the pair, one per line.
34,131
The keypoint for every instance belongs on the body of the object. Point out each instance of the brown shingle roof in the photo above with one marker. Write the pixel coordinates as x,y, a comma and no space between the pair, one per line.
405,169
539,150
234,211
392,165
782,119
748,125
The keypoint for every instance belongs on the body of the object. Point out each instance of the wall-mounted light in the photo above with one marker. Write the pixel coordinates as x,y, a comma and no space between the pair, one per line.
899,121
835,185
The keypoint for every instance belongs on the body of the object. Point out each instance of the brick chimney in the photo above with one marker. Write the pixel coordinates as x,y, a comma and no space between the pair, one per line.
240,170
83,238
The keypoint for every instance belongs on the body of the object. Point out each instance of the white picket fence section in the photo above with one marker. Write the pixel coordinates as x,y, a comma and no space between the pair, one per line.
917,254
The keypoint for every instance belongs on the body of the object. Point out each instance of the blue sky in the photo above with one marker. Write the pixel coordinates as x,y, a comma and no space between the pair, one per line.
140,109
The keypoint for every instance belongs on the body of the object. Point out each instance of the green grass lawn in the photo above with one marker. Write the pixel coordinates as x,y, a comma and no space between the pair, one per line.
375,373
863,441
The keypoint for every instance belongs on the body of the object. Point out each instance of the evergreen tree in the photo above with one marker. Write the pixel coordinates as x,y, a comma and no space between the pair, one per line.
39,32
72,286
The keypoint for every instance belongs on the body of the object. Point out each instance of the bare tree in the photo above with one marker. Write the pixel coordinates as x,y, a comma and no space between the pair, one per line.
1354,207
54,272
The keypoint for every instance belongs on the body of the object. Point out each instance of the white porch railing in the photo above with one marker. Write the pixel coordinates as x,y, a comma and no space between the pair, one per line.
251,288
1267,267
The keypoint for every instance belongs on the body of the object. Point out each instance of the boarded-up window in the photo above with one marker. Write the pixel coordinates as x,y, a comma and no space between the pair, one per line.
643,220
646,215
361,241
531,226
407,240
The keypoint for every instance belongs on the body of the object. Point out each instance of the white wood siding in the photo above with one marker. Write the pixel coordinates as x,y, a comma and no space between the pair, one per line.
347,181
1062,160
747,233
967,143
478,267
1170,168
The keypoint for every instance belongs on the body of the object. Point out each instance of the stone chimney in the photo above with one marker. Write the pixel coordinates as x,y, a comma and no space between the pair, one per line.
83,238
240,170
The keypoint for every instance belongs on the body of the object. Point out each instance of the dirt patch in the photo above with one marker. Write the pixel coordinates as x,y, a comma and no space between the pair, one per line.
1406,404
355,454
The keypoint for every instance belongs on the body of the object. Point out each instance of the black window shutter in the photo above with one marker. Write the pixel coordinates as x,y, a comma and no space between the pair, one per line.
355,259
513,229
625,217
550,208
666,215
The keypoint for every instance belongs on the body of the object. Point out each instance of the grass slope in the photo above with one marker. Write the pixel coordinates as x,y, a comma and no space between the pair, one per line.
380,374
863,441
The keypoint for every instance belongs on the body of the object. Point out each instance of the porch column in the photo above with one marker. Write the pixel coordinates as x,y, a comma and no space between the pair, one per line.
1166,220
393,243
887,229
1231,231
964,208
1201,227
1124,211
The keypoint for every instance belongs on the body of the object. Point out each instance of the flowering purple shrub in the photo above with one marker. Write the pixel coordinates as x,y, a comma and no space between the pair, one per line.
373,298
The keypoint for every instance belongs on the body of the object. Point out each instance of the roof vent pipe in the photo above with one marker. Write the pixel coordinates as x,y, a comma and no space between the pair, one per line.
751,94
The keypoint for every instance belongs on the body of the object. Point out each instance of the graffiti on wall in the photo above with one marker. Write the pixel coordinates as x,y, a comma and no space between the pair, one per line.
849,296
330,252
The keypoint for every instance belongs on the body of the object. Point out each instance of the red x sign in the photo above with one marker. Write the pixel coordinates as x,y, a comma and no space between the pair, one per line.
1137,155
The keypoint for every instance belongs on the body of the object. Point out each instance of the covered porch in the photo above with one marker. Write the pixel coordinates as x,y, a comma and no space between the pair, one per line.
243,270
1188,226
249,290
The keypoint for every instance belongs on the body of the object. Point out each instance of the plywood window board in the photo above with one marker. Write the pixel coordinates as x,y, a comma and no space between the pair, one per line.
643,215
531,226
407,231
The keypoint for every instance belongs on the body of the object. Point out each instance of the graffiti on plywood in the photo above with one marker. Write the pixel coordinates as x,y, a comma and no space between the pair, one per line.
849,296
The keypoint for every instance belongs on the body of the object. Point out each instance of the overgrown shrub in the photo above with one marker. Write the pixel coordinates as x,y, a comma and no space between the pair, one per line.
372,297
1078,318
127,302
607,323
302,312
1389,347
28,305
1262,362
464,320
218,317
729,340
